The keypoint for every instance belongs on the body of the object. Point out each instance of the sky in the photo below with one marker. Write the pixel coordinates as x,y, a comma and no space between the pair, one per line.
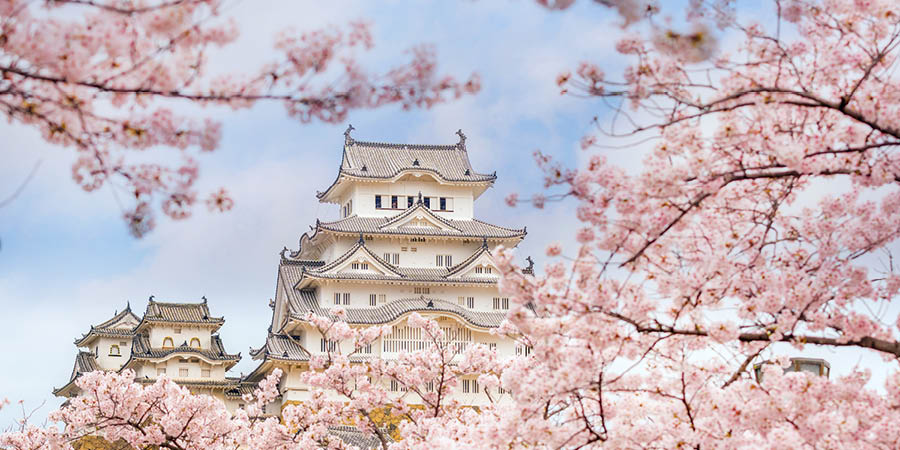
67,260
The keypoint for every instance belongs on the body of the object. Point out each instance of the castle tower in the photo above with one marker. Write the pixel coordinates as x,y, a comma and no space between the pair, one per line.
178,340
406,241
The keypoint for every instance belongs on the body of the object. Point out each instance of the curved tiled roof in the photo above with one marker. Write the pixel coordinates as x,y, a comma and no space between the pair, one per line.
141,349
382,160
84,362
180,312
112,327
472,229
393,310
353,437
280,347
397,273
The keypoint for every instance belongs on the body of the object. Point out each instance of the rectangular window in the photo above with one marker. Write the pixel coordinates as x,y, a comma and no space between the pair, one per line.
461,301
161,371
182,372
492,346
373,299
204,373
409,201
479,269
394,202
337,298
396,259
428,202
487,270
496,302
346,298
412,249
439,260
421,290
377,202
395,386
327,345
367,349
504,303
382,298
429,386
359,266
178,331
443,260
402,249
467,386
523,350
442,206
470,302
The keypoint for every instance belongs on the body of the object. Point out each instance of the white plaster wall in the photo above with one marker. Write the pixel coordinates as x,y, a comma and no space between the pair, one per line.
159,332
194,366
363,195
422,257
101,350
359,294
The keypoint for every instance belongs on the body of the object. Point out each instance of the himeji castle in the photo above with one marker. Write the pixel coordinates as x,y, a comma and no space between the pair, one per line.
407,241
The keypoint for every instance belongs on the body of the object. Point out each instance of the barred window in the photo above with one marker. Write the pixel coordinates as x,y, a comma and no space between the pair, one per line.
373,299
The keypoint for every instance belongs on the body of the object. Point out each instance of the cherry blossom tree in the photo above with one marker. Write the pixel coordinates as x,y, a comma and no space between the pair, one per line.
105,78
764,216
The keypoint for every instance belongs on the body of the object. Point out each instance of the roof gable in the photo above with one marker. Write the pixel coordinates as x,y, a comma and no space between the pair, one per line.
468,267
420,217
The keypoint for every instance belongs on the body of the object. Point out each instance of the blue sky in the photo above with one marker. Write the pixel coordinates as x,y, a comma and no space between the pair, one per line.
68,262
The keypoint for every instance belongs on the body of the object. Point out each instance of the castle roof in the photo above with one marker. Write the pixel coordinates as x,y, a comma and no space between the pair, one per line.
280,347
84,362
382,160
354,437
120,325
395,309
186,313
472,229
142,350
295,272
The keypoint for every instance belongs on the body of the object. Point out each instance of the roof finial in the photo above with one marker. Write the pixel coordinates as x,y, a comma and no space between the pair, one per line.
283,251
430,303
484,242
204,298
462,138
530,264
128,305
361,240
347,139
151,298
419,202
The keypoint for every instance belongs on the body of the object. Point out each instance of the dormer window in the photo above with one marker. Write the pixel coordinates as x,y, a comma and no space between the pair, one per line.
168,343
114,350
195,343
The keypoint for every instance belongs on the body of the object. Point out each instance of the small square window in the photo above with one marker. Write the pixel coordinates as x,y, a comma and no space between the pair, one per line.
182,372
178,331
205,373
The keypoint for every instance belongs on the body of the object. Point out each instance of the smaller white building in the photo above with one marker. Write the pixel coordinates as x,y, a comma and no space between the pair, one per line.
176,340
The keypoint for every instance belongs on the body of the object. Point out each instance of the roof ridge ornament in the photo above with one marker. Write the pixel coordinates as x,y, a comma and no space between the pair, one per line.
484,243
151,298
419,202
361,240
462,139
416,162
204,299
347,139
